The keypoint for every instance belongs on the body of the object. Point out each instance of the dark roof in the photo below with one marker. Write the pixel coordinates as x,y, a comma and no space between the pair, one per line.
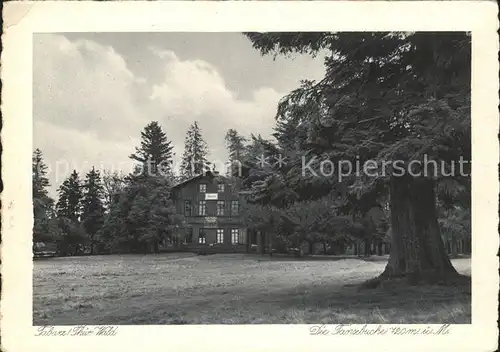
208,173
197,177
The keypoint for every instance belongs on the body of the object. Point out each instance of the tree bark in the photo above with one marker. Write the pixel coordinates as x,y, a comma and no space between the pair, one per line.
454,252
417,250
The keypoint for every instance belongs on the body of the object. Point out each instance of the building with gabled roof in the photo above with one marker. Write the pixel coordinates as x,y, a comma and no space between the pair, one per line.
209,206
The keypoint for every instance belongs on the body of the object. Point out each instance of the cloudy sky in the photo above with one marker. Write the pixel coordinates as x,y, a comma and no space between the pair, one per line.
94,92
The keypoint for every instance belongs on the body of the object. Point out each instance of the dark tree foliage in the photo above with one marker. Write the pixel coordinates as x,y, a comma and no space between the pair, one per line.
71,237
140,218
236,147
69,204
155,152
194,159
43,205
385,97
92,205
112,184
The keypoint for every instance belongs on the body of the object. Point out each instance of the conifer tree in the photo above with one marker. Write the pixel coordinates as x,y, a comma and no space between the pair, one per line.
194,160
139,208
235,144
155,152
69,204
69,211
386,96
42,203
141,217
40,180
92,205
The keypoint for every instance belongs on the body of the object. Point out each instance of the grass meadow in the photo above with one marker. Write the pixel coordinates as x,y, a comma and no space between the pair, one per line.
182,288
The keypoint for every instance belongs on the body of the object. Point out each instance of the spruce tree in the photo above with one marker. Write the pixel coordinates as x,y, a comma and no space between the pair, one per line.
235,144
139,208
141,217
194,159
387,96
69,204
69,211
40,180
155,152
42,203
92,205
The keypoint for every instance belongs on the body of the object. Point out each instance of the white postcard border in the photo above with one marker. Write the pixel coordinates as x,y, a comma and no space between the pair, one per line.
24,19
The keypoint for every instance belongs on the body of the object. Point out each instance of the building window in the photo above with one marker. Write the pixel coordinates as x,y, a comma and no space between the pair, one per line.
187,208
220,207
235,207
220,187
220,235
202,239
203,188
243,235
235,236
202,208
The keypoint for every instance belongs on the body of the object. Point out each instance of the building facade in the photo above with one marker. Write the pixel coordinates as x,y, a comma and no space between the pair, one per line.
209,205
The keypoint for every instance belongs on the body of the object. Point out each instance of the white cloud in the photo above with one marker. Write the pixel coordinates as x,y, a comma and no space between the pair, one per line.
68,150
89,107
83,85
194,90
84,111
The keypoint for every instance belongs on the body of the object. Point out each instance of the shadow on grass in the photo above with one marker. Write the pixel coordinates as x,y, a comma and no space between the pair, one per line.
329,304
311,258
236,289
437,304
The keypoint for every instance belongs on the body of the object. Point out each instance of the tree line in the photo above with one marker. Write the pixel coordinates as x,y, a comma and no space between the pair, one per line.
109,212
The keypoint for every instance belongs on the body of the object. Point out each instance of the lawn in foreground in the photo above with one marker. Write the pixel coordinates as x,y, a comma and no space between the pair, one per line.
232,289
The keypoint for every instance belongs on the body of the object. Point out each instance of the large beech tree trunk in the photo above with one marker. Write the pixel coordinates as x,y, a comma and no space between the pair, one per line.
417,250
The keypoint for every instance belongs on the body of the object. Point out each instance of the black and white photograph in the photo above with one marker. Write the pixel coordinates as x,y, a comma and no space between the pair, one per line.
190,178
315,178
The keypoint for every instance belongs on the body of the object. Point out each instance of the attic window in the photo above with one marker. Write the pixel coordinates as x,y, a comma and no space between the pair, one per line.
203,188
220,187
